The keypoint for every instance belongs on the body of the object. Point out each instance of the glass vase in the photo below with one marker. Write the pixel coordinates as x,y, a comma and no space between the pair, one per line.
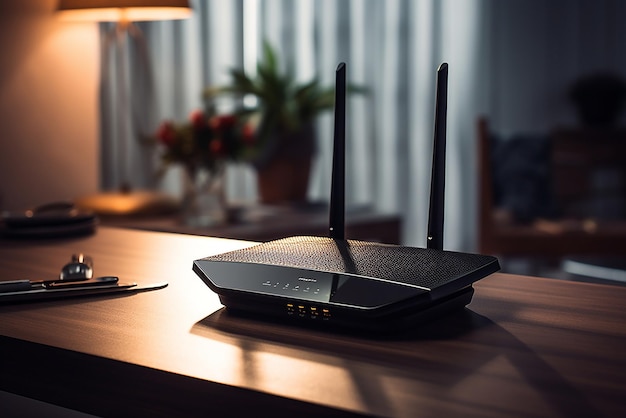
204,199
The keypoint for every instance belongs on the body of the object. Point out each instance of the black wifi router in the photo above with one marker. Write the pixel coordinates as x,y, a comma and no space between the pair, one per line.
333,281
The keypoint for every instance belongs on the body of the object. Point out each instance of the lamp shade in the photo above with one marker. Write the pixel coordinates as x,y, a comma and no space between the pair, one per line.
123,10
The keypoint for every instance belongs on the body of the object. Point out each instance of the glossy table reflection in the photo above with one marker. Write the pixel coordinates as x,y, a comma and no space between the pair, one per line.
525,347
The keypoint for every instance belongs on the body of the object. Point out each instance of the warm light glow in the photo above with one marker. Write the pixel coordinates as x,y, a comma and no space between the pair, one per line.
123,10
120,203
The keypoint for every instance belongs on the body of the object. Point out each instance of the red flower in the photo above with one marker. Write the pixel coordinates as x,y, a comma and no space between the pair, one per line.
222,122
247,134
214,123
166,133
216,146
197,119
226,121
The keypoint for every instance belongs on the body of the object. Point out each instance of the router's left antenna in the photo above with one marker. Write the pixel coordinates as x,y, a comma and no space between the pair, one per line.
434,239
337,228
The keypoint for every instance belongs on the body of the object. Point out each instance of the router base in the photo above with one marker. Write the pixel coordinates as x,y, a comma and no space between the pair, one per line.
392,324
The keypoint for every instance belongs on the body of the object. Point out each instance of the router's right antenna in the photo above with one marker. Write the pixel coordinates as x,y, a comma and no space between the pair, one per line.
434,238
338,188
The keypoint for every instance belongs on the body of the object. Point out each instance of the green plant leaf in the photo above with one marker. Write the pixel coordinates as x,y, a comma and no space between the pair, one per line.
269,58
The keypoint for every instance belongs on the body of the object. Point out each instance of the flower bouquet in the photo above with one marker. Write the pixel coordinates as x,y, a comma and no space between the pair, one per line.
206,142
202,146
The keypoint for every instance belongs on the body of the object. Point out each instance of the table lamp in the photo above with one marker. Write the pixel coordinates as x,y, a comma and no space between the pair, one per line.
124,201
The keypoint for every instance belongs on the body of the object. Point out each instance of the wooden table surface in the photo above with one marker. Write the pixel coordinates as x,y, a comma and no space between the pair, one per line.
524,347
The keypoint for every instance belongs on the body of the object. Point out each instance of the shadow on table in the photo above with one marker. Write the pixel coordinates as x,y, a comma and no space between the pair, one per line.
444,353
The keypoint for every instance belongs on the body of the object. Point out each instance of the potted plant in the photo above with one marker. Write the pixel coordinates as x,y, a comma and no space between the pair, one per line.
285,132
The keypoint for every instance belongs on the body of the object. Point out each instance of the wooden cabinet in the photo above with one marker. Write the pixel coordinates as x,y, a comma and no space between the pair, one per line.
588,182
588,170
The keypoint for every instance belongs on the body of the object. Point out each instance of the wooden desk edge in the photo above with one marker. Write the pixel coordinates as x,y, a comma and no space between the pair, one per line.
124,389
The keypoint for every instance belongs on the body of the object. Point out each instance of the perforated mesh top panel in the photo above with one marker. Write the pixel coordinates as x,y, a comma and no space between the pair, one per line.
416,266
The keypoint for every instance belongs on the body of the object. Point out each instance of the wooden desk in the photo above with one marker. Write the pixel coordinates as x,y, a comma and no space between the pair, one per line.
525,347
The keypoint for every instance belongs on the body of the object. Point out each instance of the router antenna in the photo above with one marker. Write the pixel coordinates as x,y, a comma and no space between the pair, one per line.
338,181
434,239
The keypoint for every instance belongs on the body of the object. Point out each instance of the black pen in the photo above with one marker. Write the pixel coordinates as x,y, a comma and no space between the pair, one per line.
29,285
16,286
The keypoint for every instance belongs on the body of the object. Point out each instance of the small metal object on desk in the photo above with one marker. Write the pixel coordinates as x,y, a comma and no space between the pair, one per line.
80,268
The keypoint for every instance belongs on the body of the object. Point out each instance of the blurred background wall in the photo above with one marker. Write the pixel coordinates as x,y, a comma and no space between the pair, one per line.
48,105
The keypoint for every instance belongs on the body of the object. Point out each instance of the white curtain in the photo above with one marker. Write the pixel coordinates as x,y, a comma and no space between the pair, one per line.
393,47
